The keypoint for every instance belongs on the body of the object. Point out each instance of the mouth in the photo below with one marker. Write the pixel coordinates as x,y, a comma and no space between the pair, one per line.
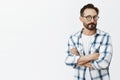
91,26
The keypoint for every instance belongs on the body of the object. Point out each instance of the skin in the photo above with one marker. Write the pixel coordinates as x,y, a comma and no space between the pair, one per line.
87,12
85,60
81,62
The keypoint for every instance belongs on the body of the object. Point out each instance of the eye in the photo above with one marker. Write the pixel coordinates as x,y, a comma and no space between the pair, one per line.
95,17
89,17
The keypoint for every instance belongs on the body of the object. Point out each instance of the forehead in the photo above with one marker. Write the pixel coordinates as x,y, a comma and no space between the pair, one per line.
90,11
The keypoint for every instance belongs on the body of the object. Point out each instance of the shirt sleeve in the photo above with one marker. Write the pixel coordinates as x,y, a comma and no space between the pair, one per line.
71,59
105,57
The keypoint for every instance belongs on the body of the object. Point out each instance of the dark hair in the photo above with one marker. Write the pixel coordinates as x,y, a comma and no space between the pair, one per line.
88,6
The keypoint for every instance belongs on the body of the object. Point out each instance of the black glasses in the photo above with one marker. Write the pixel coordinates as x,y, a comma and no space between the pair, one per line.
89,17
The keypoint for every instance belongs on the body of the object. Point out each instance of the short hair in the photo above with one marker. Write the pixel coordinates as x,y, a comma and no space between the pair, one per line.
91,6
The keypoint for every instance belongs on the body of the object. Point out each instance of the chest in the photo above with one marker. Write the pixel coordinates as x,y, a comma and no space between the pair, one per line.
88,45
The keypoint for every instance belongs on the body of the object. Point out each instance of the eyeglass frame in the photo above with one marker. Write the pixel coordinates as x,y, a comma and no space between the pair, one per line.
89,17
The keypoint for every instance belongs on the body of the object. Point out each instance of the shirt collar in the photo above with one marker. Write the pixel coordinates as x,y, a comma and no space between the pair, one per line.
96,34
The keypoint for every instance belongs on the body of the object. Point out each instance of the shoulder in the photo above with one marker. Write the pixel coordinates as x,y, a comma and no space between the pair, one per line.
102,33
75,34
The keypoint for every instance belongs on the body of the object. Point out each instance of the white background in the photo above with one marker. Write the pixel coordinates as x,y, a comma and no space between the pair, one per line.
34,34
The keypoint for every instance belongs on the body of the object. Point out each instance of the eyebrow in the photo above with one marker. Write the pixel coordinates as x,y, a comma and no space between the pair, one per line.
91,15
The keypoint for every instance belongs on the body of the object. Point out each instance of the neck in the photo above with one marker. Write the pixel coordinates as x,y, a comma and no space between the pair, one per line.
89,32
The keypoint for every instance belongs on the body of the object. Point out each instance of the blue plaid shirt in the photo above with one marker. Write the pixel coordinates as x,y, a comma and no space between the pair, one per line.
101,44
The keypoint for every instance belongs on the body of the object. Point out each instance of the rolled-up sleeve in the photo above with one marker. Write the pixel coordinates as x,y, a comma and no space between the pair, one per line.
71,59
105,51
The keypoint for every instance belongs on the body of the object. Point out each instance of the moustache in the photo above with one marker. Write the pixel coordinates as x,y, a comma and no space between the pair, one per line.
91,24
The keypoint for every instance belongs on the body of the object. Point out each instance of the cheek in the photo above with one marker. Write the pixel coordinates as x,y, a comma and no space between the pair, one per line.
85,22
95,22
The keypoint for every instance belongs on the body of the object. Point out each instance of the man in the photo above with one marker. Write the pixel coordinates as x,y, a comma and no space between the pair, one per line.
90,49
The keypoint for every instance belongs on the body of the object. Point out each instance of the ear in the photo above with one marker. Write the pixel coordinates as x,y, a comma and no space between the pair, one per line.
81,19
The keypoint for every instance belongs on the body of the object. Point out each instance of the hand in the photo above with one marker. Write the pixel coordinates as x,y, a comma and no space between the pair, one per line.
74,51
88,64
95,56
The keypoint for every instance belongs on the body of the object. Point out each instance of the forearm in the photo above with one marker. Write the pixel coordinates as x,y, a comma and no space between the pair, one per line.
84,59
88,58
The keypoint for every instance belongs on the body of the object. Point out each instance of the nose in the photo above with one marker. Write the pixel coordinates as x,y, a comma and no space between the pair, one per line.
92,20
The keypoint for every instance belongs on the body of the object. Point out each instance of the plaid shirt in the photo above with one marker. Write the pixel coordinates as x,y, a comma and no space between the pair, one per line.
101,44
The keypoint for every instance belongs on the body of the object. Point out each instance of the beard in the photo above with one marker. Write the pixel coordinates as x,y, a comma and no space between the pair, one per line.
90,26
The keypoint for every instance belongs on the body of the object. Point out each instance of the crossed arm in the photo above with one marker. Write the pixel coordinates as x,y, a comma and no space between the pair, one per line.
85,60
